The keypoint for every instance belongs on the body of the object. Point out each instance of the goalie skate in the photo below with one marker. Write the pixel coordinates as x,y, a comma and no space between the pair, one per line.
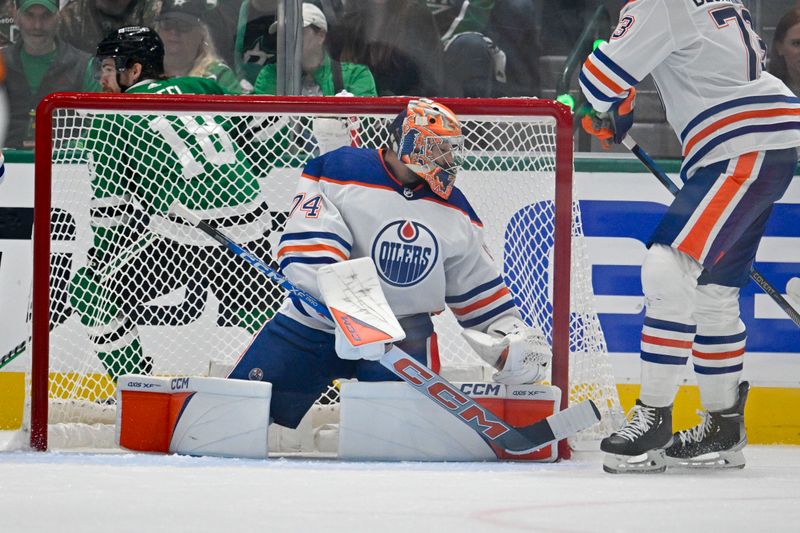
716,442
639,446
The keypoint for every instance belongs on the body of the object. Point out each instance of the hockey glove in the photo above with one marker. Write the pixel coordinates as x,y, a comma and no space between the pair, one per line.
520,353
614,124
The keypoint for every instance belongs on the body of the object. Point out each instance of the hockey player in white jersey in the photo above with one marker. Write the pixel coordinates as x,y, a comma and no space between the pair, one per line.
739,130
400,207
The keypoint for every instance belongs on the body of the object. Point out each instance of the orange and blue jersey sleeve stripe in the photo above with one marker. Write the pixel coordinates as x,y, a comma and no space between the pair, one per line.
604,82
482,305
312,248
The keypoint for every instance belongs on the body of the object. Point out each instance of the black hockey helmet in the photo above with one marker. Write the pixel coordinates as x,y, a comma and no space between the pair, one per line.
133,44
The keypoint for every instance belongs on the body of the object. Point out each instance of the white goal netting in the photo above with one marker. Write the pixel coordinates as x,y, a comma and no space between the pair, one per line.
132,289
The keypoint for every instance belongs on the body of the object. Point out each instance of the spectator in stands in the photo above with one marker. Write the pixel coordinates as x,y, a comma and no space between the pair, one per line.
563,21
473,64
8,31
513,29
255,46
397,40
322,76
189,48
490,47
39,64
84,23
221,23
784,60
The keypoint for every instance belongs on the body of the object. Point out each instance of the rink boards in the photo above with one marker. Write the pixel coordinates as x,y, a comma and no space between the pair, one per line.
619,206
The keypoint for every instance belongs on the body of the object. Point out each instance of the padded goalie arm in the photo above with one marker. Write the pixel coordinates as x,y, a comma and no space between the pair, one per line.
315,235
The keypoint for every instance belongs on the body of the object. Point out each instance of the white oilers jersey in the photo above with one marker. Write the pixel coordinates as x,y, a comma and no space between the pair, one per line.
708,65
429,252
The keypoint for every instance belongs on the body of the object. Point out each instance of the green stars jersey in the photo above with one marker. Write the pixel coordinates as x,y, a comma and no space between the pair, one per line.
143,163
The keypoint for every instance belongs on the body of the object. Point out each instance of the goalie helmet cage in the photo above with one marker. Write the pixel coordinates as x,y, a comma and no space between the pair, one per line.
517,175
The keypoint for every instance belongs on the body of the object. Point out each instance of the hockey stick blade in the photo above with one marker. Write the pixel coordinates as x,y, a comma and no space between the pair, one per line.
755,275
492,429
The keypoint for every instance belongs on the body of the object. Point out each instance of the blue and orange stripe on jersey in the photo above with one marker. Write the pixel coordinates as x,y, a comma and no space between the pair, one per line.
482,304
605,80
736,118
312,247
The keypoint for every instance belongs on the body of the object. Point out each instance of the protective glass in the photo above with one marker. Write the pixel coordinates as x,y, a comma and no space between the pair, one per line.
180,26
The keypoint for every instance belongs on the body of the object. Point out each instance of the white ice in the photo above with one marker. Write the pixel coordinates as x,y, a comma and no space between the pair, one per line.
87,493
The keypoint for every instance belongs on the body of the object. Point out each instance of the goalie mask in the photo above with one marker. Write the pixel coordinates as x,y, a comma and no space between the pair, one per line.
430,143
129,45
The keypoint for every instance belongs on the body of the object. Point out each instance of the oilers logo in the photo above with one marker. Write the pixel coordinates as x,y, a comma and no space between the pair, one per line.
404,252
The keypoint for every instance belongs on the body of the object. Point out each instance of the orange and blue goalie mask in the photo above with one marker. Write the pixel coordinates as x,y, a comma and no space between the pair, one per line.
432,145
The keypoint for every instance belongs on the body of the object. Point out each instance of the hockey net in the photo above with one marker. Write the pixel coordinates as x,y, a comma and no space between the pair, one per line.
120,287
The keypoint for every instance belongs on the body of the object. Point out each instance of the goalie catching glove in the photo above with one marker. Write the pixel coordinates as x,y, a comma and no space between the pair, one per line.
613,124
520,353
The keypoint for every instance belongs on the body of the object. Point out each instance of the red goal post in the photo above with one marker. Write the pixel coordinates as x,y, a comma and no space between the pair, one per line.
62,121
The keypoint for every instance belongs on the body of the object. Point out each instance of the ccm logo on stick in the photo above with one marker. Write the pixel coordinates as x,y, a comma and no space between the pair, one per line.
348,325
449,397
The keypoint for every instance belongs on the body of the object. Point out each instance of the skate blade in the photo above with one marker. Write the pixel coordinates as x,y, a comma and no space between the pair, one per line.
652,462
709,461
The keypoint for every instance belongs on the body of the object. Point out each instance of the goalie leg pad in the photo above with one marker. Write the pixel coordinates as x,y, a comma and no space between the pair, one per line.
193,416
299,361
393,422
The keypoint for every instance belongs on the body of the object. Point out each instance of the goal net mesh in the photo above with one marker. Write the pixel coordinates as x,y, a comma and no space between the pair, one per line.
135,290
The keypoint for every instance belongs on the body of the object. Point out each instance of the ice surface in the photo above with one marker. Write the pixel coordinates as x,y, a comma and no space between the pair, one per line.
69,492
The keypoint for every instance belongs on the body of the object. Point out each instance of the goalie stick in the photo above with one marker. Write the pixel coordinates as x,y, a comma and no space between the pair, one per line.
755,275
493,430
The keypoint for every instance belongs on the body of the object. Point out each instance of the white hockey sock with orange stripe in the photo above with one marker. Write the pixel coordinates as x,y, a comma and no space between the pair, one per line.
669,281
718,350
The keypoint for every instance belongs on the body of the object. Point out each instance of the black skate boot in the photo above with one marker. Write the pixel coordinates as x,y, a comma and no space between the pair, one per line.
639,445
716,442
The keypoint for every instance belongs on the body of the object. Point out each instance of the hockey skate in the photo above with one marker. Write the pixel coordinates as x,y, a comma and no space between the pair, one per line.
716,442
639,445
